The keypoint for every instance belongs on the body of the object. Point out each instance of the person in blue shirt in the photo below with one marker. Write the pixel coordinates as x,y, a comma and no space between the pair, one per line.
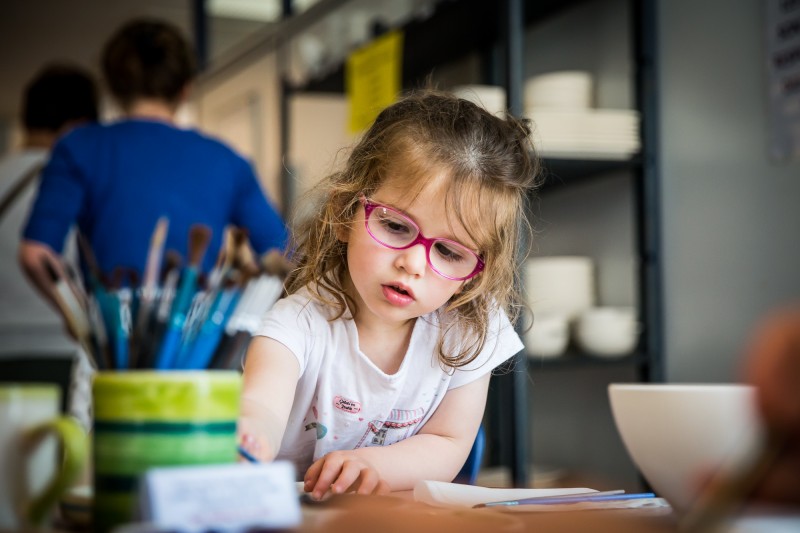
114,181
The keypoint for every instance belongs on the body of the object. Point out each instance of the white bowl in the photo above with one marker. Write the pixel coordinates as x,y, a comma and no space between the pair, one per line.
607,331
677,434
548,336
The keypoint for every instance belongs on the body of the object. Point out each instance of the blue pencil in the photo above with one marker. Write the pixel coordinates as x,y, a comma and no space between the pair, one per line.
247,455
567,498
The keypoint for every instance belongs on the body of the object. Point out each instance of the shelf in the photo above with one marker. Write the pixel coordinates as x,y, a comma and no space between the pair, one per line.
560,172
454,30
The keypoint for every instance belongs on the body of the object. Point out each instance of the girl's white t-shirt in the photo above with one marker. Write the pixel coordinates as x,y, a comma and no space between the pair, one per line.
343,401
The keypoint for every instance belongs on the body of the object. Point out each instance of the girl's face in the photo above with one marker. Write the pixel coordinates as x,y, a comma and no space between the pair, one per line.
390,286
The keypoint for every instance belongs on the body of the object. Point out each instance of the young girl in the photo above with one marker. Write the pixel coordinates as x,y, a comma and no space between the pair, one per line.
397,311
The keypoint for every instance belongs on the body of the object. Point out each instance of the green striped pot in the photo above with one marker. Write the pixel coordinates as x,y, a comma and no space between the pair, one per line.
145,419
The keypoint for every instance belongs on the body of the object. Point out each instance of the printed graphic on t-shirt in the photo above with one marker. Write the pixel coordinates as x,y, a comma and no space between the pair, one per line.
398,426
320,429
347,405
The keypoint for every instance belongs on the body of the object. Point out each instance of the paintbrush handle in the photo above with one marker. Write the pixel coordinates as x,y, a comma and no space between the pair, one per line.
154,254
202,351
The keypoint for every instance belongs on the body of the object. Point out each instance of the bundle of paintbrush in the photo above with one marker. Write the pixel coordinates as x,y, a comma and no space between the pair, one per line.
176,318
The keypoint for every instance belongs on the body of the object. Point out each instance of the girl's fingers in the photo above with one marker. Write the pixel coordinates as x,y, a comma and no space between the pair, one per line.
310,479
383,488
329,470
368,481
338,474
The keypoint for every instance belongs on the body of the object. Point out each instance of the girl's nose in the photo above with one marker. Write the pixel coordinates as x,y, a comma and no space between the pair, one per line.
413,260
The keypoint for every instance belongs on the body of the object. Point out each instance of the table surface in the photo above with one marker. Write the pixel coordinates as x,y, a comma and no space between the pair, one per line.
398,512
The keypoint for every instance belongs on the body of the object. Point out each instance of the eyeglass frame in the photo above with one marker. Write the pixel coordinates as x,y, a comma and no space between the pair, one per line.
369,207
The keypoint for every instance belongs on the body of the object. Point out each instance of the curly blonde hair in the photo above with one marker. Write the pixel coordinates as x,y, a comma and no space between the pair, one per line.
490,166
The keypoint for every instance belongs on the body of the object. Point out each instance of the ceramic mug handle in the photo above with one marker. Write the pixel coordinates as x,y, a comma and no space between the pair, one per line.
72,440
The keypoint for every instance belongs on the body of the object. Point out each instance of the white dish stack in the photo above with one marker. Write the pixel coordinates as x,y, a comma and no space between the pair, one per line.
561,293
557,289
491,97
567,125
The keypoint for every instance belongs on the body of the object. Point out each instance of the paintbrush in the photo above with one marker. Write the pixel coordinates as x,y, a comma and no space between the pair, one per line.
202,348
224,272
159,314
101,310
149,288
199,237
74,314
259,295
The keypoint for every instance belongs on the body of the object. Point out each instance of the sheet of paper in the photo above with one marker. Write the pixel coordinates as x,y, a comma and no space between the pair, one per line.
227,498
443,494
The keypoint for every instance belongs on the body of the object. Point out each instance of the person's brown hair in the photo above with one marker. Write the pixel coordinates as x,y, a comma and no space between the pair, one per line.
490,166
147,58
59,94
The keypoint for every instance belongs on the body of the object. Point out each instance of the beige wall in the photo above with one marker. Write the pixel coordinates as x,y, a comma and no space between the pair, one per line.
243,109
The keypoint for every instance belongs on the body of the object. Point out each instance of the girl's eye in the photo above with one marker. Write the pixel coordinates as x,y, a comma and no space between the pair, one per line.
394,224
449,252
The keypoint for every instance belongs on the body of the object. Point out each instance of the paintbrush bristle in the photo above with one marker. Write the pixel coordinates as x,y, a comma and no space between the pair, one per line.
199,237
240,236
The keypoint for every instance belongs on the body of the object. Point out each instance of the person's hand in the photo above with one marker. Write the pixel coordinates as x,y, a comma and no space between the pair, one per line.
772,365
40,263
340,472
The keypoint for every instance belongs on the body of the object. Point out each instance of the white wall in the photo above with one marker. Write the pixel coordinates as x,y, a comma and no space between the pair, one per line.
730,215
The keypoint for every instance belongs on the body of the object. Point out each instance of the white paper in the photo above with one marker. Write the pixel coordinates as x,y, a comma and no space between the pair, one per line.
230,498
443,494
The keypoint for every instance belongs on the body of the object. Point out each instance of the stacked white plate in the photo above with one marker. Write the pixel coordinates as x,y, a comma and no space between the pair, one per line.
567,89
565,124
490,97
585,133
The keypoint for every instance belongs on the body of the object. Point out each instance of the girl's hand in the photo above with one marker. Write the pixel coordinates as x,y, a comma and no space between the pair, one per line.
251,446
251,438
340,472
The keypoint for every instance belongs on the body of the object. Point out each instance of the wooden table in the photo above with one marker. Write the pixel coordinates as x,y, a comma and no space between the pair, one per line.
399,513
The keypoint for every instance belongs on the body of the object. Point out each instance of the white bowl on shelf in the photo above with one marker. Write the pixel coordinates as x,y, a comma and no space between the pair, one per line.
548,336
678,434
607,331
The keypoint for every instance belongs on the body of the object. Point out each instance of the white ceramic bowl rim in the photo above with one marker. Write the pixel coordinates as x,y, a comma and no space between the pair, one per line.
677,386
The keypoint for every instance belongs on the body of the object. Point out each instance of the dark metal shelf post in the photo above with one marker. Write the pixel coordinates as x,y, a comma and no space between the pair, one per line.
513,31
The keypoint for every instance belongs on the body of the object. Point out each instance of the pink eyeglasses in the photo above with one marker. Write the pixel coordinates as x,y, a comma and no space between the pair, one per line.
394,230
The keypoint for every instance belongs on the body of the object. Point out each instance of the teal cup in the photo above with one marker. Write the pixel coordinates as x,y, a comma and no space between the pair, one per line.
145,419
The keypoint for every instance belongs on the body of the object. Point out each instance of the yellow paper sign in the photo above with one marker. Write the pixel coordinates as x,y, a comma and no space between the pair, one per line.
372,78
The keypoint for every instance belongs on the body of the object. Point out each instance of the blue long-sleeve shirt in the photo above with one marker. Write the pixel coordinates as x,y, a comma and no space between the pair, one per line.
116,180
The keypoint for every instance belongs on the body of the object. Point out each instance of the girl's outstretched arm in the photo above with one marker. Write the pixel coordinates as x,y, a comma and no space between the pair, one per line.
437,452
270,378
